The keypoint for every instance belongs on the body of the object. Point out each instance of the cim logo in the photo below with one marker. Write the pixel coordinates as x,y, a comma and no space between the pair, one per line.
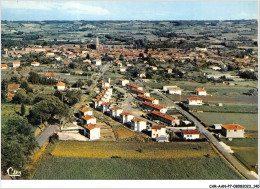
13,173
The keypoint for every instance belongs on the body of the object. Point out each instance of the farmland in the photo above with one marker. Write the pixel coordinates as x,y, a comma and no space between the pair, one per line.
210,118
92,160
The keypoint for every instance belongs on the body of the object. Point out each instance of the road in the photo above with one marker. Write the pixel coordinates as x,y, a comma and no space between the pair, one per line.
44,137
127,107
232,160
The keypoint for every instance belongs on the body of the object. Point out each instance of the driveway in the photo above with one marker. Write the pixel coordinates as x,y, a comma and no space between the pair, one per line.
44,137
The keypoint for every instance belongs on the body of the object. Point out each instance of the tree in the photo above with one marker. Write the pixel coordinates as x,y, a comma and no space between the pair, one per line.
19,97
23,110
34,78
17,143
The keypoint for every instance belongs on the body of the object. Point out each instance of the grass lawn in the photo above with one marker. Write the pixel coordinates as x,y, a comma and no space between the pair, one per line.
61,168
249,121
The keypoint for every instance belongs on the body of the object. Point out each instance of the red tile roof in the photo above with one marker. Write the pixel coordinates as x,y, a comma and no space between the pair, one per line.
96,100
146,97
131,85
165,116
50,74
60,84
153,105
174,88
105,104
187,132
138,91
200,89
194,98
136,120
13,87
115,108
85,109
125,113
158,127
91,126
3,66
233,127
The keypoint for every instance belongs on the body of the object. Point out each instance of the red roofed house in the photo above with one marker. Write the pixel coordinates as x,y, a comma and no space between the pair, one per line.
136,91
126,118
151,106
174,90
147,99
97,103
87,119
115,112
190,134
138,124
3,66
170,120
123,82
233,131
16,64
61,86
158,131
85,111
201,92
48,54
105,107
194,101
10,96
105,84
13,87
50,74
92,131
35,64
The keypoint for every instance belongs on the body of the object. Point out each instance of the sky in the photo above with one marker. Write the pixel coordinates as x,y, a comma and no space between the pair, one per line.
128,10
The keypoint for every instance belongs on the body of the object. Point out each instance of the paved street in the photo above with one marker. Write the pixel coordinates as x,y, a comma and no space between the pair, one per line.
44,137
247,174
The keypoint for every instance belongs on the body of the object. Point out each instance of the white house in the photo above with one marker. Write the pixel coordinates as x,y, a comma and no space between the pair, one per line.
158,131
105,107
87,119
61,86
142,74
97,103
233,131
194,101
16,64
3,66
190,134
154,68
217,126
123,82
92,131
35,64
201,92
85,111
165,88
105,84
126,117
174,90
108,90
97,62
48,54
138,124
115,112
122,69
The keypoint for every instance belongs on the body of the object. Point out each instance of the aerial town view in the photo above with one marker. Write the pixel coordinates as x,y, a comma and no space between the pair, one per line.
119,95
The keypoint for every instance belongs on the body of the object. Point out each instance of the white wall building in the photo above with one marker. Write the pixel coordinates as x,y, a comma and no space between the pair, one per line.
61,86
201,92
138,124
190,134
85,111
87,119
194,101
126,117
123,82
158,131
92,131
233,131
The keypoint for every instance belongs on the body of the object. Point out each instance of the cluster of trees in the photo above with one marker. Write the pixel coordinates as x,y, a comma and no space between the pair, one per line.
248,75
35,78
17,144
70,97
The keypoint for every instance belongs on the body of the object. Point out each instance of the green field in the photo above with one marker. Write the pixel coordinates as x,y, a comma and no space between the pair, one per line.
249,121
61,168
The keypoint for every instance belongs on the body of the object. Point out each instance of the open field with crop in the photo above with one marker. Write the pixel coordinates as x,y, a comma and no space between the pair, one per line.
212,168
132,150
246,148
249,121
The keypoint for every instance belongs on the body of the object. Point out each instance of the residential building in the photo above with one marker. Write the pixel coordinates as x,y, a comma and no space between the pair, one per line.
61,86
123,82
233,131
190,134
137,92
158,131
194,101
35,64
13,87
50,74
201,92
115,112
16,64
105,107
138,124
126,117
122,69
165,88
3,66
85,111
97,103
151,106
87,119
105,84
174,90
170,120
92,131
147,99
